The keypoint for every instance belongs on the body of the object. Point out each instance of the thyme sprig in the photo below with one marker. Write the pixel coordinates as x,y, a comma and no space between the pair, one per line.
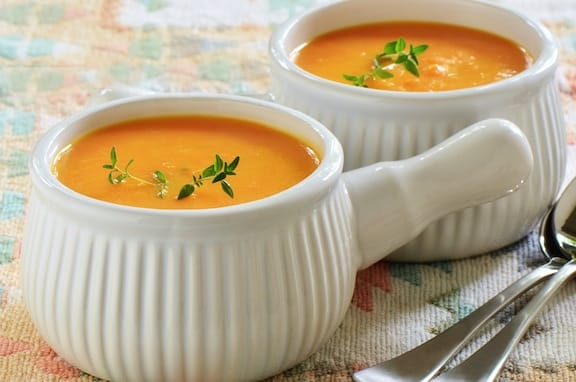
218,172
118,175
394,53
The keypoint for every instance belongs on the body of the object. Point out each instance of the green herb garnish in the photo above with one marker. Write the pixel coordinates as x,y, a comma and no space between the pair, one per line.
218,172
392,54
118,175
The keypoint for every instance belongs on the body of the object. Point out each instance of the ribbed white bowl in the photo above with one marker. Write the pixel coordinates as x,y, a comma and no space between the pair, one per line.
174,307
375,125
236,293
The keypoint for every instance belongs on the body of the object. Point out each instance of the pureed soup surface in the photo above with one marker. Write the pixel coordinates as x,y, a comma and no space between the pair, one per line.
180,147
457,57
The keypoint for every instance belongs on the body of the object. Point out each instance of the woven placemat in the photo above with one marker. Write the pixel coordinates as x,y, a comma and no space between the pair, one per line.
55,54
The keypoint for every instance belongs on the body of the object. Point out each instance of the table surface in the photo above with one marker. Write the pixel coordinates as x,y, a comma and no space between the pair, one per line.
55,54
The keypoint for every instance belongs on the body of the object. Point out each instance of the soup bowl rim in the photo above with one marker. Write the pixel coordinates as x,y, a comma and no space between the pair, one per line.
311,189
539,70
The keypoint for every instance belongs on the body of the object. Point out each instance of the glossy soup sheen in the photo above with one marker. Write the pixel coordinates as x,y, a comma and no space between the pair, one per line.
457,57
182,146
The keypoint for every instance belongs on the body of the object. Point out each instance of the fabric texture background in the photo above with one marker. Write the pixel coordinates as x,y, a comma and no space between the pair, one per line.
54,54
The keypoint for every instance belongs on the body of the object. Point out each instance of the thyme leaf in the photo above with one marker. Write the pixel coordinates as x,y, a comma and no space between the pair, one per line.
393,53
217,172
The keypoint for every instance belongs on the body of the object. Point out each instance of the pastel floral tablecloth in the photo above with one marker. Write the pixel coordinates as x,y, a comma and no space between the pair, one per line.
55,53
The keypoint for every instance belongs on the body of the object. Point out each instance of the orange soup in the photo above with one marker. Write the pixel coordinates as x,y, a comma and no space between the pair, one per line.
181,148
457,57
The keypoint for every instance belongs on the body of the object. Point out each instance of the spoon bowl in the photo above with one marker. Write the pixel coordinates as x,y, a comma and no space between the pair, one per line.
564,222
547,236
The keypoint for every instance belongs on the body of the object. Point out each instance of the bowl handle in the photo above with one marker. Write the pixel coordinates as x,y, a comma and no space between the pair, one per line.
395,201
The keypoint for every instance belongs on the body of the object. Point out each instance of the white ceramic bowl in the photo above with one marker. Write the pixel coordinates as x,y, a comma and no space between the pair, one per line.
375,125
241,292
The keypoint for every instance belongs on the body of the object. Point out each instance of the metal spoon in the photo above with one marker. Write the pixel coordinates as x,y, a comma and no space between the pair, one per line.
486,363
431,356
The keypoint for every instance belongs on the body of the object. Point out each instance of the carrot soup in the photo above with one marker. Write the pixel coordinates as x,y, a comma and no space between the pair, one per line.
184,162
452,57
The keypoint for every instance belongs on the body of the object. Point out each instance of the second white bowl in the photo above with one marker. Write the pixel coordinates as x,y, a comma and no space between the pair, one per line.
375,125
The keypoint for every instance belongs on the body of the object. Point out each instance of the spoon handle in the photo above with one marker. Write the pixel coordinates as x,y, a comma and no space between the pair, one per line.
486,363
432,355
